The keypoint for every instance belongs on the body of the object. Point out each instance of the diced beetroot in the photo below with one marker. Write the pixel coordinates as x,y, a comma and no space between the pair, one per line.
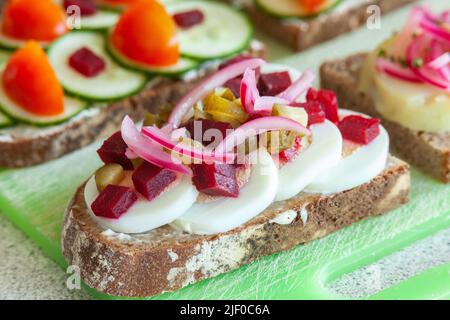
271,84
216,179
113,151
198,129
235,86
286,155
188,19
314,110
87,7
86,62
150,180
359,129
328,101
113,201
311,95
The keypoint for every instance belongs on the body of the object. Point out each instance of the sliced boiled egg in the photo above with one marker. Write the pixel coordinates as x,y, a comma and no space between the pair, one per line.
323,153
147,215
361,166
228,213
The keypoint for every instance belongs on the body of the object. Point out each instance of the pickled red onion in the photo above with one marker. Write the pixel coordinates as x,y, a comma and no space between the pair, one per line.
207,85
252,102
144,148
396,71
258,126
299,87
160,138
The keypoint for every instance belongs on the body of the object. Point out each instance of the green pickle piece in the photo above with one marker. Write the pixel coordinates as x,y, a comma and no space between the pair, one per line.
294,113
109,174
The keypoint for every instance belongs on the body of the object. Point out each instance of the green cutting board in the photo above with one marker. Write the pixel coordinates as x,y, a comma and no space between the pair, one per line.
35,199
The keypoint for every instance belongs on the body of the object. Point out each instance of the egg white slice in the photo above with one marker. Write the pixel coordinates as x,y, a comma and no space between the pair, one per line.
358,168
323,153
147,215
228,213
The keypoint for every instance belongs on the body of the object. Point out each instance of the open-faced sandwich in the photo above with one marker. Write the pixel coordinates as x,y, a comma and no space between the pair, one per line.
301,24
237,172
406,83
61,88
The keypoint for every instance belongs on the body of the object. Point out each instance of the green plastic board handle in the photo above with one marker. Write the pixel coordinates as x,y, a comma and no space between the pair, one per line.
35,199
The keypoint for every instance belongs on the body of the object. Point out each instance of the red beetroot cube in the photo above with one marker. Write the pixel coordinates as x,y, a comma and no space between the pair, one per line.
113,201
86,62
311,95
201,130
87,7
235,86
328,101
189,18
286,155
271,84
150,180
216,179
314,111
359,129
113,151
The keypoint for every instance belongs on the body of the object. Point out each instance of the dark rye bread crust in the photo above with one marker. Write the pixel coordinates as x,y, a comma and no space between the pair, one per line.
25,146
302,34
165,260
428,151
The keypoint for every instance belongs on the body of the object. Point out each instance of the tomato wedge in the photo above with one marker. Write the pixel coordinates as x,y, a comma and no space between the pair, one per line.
41,20
146,33
311,6
29,80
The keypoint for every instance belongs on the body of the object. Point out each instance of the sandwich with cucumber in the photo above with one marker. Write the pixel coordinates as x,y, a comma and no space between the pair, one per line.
65,83
405,81
251,162
301,24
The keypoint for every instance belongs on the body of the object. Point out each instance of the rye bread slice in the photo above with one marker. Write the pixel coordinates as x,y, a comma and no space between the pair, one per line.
165,260
22,146
426,150
301,34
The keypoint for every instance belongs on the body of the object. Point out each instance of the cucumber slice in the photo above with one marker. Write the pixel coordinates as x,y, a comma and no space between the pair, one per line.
292,9
9,43
224,31
113,83
4,56
102,20
5,121
184,64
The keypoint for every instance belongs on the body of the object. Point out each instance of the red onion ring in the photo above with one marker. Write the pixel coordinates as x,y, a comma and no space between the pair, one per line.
147,150
160,138
258,126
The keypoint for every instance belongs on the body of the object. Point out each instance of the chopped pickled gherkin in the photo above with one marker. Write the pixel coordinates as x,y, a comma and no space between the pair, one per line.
198,112
277,141
137,162
109,174
222,109
225,93
295,113
152,119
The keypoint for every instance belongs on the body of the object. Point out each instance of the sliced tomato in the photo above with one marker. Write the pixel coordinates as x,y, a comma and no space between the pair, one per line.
41,20
312,5
29,80
147,33
117,2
